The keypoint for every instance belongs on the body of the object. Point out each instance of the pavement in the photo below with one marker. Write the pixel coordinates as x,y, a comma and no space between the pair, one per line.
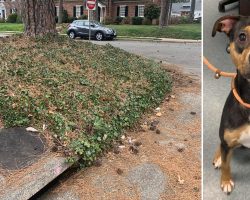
215,93
186,55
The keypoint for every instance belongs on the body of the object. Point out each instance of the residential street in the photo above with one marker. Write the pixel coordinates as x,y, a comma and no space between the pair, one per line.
185,55
215,94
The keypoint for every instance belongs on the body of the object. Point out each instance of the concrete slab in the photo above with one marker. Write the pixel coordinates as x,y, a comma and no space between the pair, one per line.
27,166
150,180
23,185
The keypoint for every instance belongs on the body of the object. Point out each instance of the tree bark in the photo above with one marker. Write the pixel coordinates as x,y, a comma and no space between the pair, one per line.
170,11
60,17
39,17
191,16
164,13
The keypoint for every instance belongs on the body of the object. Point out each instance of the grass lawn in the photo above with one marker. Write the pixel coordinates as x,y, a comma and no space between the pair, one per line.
10,27
85,94
182,31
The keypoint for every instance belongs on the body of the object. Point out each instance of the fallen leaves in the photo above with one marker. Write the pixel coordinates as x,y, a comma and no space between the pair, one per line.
180,181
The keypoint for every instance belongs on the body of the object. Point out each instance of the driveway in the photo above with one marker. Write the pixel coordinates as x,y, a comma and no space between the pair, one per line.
215,93
186,55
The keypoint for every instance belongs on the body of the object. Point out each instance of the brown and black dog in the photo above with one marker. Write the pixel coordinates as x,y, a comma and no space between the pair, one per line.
235,121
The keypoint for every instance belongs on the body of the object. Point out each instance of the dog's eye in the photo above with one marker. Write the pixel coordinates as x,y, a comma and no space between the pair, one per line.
242,37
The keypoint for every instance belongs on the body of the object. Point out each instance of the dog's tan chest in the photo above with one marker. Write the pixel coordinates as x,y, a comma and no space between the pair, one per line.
245,137
239,136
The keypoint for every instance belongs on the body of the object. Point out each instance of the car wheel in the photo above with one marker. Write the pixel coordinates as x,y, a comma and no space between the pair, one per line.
99,36
72,35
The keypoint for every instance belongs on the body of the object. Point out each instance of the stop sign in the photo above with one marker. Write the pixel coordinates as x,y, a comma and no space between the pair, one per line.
91,4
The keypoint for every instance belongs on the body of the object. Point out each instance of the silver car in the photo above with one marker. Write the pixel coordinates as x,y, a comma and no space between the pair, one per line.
80,28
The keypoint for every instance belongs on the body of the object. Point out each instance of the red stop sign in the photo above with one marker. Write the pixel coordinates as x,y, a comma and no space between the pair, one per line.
91,4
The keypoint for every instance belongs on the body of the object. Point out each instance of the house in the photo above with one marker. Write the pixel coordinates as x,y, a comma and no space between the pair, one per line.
183,9
106,8
77,8
8,7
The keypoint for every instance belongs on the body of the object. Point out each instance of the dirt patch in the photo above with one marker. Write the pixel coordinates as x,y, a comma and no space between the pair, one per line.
161,140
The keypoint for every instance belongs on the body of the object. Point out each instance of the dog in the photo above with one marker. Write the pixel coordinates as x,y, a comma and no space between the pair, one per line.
234,128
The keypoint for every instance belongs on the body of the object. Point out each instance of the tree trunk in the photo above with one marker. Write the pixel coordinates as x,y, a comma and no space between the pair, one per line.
170,11
60,17
39,17
191,16
164,13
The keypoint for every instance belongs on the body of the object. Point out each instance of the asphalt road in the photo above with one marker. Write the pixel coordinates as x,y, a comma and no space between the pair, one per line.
215,93
186,55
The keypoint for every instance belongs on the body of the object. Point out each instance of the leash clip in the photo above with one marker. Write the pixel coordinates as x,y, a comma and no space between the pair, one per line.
217,74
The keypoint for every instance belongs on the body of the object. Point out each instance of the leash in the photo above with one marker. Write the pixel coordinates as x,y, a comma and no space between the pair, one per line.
219,73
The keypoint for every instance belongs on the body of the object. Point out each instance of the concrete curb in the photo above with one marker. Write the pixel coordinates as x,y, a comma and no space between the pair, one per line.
168,40
22,188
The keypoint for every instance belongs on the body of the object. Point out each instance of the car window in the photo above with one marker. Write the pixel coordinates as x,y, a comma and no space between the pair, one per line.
80,23
86,23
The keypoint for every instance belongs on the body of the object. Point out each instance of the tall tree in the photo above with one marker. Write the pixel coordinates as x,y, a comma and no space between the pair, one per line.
191,15
39,17
60,17
164,13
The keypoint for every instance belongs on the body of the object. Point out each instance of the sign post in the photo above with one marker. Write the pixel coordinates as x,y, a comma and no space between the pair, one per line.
91,5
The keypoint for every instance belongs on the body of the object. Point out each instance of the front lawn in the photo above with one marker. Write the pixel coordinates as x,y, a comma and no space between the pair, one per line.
182,31
79,94
11,27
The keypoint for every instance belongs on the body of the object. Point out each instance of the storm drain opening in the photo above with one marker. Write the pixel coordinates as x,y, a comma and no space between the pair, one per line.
20,148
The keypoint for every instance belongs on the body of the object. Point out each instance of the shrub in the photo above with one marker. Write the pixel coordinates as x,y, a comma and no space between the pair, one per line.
126,20
2,20
108,20
152,11
65,17
19,19
83,17
146,21
71,19
184,20
118,20
180,20
12,18
137,20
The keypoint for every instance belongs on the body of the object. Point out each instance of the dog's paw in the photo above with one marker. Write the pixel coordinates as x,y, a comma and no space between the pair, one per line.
217,162
227,186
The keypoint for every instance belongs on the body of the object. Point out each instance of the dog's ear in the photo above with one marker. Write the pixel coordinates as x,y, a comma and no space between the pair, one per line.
225,24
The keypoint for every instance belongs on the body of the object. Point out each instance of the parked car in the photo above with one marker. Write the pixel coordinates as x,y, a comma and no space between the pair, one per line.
80,28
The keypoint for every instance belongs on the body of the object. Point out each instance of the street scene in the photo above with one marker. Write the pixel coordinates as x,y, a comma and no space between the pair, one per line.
103,101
